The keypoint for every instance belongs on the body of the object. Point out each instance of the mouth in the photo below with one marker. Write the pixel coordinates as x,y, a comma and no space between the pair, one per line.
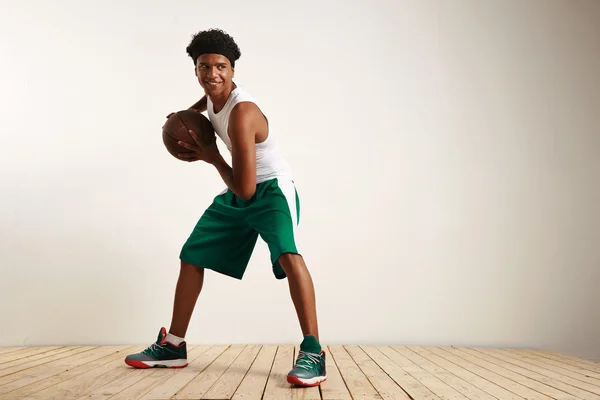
212,84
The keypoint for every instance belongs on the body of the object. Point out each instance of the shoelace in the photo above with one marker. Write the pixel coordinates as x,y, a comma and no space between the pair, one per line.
308,358
155,349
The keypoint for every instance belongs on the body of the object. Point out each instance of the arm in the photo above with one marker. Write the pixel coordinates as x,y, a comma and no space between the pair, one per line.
241,176
200,106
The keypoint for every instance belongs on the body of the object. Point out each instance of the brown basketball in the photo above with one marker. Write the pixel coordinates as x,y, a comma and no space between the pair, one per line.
176,129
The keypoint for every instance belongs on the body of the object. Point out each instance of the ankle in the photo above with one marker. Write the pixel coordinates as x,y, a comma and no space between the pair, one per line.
173,339
310,344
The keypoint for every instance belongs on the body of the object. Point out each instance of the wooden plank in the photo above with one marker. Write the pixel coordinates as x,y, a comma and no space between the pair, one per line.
277,386
202,382
491,376
6,368
116,386
531,371
249,372
132,377
577,362
226,385
583,372
47,375
28,352
4,349
420,374
356,381
411,385
571,358
419,369
25,374
521,379
551,371
485,385
164,383
334,387
457,384
254,383
385,386
88,381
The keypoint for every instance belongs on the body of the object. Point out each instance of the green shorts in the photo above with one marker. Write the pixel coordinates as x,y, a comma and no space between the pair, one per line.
226,234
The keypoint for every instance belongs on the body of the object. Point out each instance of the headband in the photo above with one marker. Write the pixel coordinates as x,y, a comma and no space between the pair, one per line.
217,49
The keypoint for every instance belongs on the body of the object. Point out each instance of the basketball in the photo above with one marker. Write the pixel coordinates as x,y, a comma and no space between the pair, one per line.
177,128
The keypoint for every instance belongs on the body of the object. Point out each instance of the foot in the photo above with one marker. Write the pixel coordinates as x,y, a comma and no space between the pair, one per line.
309,369
161,354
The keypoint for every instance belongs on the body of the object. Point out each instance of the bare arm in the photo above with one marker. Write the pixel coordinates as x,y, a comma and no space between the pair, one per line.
200,105
241,176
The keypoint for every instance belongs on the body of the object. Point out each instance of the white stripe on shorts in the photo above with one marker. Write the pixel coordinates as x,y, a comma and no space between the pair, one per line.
289,191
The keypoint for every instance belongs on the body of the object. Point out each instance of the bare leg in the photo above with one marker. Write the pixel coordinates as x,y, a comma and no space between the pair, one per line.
187,291
302,291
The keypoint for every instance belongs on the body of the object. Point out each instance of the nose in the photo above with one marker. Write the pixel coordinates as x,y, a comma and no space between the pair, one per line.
212,72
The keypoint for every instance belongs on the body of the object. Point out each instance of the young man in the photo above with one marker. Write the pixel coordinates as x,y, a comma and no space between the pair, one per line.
260,199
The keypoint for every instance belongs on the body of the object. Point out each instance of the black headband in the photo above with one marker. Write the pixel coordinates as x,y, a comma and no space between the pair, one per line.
216,49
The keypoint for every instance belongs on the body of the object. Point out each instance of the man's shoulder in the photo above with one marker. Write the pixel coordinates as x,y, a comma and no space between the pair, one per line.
244,110
241,94
244,118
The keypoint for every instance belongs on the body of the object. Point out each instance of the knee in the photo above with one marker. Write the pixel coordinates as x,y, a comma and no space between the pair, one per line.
291,263
191,268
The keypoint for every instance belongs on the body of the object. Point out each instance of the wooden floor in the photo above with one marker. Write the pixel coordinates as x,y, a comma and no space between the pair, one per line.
258,372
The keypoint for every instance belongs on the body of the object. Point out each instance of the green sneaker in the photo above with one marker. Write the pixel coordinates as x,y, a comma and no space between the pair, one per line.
309,369
161,354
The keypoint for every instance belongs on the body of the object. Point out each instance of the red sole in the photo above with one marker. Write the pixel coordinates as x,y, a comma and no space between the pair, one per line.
295,381
139,364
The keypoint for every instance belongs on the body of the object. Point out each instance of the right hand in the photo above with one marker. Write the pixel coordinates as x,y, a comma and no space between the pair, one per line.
205,152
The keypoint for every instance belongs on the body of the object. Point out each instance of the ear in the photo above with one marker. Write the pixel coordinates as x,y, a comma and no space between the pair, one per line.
232,72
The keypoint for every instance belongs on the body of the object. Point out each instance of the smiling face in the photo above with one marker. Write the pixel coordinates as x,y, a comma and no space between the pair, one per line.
215,74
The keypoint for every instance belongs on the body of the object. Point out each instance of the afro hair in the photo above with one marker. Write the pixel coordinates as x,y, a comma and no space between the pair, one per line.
213,41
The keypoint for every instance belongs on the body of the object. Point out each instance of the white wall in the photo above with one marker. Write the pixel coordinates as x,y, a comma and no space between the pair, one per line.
447,155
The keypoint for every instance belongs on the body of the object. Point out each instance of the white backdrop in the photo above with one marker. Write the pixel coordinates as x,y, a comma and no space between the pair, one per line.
447,156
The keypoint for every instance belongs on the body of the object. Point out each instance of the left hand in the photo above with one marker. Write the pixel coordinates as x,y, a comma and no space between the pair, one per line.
207,153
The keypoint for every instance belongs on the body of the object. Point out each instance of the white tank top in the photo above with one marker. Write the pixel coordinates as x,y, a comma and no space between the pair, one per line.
269,160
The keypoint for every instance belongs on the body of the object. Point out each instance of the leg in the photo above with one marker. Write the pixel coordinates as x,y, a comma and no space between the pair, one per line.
165,352
219,241
309,369
187,291
302,291
275,215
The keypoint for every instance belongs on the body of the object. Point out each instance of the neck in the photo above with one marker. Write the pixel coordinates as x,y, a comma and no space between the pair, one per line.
219,100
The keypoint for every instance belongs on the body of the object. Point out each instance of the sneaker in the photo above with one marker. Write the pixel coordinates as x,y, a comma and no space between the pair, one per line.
309,369
161,354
